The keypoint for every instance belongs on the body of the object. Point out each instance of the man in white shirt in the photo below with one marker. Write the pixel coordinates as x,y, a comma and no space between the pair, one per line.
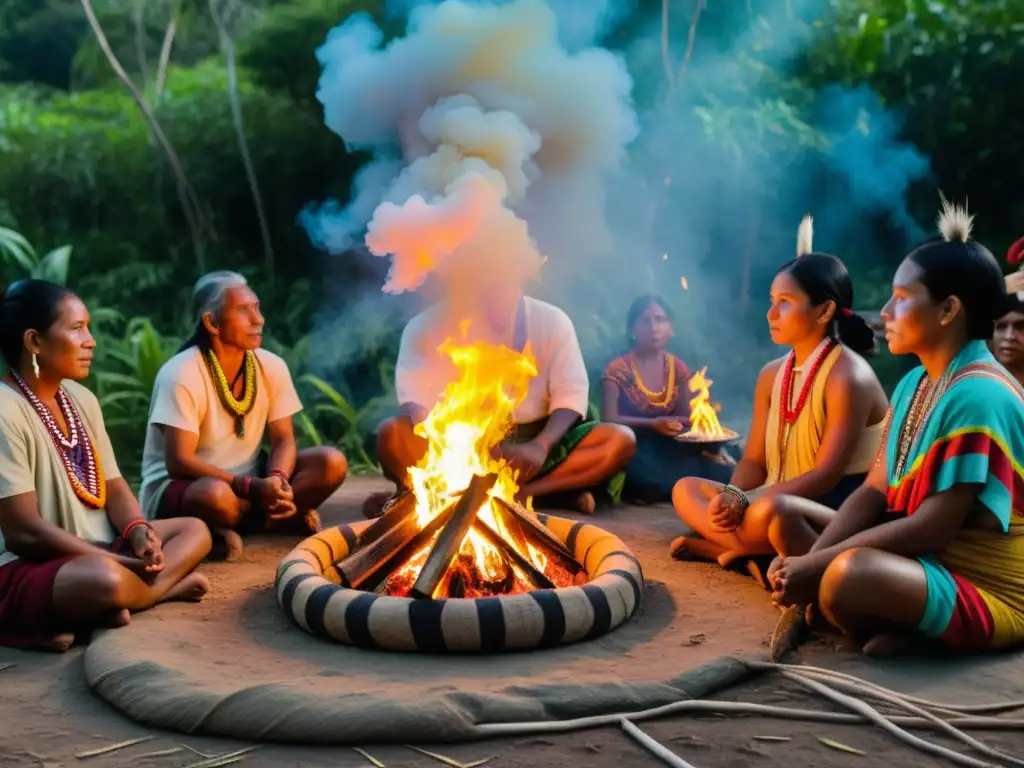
212,403
554,446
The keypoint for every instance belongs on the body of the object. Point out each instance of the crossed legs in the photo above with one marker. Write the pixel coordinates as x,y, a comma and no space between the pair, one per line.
95,590
788,525
318,473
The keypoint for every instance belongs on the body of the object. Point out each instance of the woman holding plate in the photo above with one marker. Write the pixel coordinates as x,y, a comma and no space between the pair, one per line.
646,390
816,427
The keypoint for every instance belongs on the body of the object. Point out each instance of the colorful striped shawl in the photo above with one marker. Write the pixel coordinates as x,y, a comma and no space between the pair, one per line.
975,434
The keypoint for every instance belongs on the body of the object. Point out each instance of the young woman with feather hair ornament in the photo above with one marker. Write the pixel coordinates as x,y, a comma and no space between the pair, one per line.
1008,339
932,546
815,430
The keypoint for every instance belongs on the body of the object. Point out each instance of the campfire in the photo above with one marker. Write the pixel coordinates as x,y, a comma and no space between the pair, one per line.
460,531
704,424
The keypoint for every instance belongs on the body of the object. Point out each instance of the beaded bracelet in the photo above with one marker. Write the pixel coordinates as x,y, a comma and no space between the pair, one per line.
738,494
280,473
246,486
133,524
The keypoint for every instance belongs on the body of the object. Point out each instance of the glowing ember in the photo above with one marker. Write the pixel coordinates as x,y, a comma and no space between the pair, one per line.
462,432
703,414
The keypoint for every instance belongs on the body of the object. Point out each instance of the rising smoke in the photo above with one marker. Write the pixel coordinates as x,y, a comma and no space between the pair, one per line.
501,134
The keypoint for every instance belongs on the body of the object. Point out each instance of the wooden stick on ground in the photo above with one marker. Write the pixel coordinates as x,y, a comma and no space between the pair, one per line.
658,750
447,545
112,748
536,576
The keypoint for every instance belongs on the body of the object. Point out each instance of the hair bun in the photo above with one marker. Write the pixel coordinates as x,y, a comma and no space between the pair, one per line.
854,332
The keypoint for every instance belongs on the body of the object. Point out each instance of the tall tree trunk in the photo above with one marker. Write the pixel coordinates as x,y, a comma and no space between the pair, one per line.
186,193
236,115
165,51
138,22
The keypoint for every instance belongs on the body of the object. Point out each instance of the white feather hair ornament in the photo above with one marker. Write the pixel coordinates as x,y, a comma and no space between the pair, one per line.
805,236
955,223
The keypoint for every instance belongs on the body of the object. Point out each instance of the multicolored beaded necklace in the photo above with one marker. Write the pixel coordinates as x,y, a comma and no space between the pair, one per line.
239,408
662,397
77,453
926,396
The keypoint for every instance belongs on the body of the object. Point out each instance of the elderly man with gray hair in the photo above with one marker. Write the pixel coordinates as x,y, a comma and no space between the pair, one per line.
212,403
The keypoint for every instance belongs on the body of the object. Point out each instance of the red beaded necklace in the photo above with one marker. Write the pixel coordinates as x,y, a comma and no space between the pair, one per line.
790,413
91,488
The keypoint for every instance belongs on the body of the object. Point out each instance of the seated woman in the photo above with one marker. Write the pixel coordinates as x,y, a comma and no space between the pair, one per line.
75,550
1008,339
817,419
932,546
646,390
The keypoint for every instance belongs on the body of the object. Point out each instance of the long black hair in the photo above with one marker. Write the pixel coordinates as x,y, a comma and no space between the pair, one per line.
824,277
952,264
208,296
27,305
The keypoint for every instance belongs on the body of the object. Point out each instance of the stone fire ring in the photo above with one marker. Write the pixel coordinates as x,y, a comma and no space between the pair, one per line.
308,590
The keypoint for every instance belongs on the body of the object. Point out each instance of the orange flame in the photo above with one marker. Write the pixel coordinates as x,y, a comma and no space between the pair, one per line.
703,418
462,431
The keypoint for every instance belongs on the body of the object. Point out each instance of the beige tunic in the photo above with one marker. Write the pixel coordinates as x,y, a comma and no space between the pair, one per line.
30,462
185,397
797,450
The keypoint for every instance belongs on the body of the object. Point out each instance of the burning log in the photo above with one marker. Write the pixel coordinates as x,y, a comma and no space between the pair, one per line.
536,577
447,545
376,573
373,555
402,507
542,537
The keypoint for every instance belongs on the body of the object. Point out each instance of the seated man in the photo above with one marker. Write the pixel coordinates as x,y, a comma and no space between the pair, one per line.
212,403
554,447
1008,340
75,551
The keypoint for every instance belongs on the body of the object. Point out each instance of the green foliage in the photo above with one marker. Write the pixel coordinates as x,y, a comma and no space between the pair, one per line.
78,164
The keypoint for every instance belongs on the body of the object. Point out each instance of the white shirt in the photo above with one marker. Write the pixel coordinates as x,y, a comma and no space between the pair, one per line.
422,372
184,397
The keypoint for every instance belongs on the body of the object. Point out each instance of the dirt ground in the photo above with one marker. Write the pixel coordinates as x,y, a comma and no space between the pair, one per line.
48,715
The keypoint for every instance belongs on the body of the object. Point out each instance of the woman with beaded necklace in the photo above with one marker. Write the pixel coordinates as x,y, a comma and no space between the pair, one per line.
75,550
646,390
816,425
932,546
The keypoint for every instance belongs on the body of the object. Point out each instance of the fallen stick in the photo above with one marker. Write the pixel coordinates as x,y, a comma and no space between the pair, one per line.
883,722
975,709
655,748
701,706
940,724
112,748
215,761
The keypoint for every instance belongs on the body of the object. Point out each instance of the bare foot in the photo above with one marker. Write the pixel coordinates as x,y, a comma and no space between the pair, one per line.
312,521
233,546
191,589
586,503
693,548
375,504
56,644
885,645
121,618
